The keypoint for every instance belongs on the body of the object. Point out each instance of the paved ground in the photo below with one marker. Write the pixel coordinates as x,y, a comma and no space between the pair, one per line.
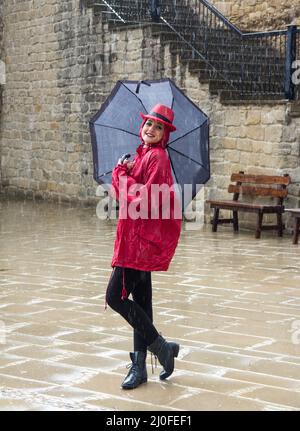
232,302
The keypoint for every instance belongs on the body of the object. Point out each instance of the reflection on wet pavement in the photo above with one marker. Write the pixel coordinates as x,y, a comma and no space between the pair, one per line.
232,302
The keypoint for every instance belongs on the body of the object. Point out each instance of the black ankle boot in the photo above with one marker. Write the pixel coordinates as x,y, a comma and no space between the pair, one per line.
138,371
166,352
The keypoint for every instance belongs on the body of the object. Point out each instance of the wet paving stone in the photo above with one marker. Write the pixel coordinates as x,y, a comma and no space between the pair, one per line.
231,301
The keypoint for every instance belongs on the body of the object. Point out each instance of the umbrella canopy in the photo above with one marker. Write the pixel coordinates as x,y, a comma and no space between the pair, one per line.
115,127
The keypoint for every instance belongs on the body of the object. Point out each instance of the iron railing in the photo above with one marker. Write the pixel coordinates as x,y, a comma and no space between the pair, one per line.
248,65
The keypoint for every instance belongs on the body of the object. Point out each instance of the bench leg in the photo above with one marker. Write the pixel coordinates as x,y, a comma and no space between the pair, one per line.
279,224
259,224
235,221
296,230
215,219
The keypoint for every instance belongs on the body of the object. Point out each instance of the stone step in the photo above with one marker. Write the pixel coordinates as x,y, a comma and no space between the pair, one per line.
230,97
211,42
248,68
295,109
261,86
215,37
232,58
251,69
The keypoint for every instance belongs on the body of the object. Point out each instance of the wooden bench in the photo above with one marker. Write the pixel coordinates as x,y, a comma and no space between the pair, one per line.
255,186
295,213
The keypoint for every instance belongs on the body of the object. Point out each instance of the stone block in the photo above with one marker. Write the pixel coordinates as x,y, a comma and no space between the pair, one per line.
290,133
52,186
232,118
257,146
219,131
273,116
229,143
217,117
244,145
256,133
237,131
253,117
233,155
269,148
273,133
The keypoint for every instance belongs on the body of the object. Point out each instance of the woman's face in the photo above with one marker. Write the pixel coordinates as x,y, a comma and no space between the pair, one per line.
152,132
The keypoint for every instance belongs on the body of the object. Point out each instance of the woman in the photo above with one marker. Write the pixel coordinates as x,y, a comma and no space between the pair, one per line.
145,241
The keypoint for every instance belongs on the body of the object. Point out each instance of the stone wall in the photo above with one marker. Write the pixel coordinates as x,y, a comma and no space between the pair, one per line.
54,69
1,71
62,62
260,14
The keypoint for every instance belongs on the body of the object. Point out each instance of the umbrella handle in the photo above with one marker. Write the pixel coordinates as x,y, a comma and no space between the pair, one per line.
124,157
139,84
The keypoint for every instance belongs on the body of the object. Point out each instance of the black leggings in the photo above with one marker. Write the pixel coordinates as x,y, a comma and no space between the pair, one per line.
137,312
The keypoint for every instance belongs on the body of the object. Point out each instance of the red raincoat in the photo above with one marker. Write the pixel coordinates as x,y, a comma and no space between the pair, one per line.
146,243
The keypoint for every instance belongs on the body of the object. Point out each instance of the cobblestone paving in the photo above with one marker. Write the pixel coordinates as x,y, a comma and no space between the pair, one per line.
232,302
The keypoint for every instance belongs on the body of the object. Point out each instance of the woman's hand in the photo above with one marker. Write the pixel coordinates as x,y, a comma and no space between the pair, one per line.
128,163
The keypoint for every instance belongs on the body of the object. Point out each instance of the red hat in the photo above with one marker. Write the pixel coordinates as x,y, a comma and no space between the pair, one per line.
163,114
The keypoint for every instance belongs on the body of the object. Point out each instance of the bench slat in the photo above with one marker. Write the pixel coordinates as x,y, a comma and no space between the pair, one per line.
261,179
240,206
258,191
